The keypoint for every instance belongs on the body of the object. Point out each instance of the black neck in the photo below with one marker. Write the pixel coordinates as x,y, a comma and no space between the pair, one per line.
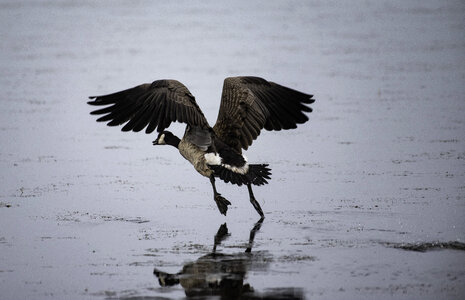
173,141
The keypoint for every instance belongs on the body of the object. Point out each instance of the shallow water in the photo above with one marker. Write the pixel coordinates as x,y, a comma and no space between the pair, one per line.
87,211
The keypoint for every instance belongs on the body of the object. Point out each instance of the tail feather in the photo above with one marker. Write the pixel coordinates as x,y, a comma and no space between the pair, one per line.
257,175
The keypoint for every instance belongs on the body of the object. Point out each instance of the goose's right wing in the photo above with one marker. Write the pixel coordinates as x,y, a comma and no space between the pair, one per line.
153,105
249,104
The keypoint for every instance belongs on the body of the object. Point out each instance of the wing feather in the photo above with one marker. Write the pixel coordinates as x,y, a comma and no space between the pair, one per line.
151,106
250,104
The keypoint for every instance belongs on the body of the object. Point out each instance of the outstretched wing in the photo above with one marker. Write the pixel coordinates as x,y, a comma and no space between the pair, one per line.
153,105
249,104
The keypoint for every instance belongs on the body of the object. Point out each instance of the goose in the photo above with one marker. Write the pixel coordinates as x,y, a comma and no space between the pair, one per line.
248,105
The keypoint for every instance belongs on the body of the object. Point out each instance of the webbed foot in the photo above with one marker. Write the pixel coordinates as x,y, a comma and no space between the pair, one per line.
255,202
222,203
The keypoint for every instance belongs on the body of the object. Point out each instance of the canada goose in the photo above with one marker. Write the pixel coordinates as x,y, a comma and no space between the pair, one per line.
248,104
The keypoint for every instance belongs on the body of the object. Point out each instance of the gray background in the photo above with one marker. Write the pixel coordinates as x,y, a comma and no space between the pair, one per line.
87,211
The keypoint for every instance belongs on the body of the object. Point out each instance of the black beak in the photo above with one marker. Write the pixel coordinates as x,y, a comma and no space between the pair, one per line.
155,142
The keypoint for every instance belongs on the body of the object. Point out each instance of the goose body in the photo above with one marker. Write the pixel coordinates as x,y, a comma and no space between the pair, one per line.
248,104
196,157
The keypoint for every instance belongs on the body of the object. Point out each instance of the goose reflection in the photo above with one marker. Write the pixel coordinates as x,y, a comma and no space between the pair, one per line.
223,275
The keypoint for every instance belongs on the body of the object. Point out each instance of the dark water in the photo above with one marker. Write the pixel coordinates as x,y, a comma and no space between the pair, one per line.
87,211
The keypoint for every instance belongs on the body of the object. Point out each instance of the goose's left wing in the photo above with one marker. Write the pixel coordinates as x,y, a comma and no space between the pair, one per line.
250,104
154,106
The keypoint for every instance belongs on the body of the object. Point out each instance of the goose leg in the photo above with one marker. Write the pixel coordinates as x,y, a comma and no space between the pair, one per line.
221,202
254,202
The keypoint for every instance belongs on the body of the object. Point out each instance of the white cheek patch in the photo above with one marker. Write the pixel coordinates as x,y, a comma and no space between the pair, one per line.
215,159
161,139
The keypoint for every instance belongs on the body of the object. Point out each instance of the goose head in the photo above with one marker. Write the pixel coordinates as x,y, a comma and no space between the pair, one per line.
166,138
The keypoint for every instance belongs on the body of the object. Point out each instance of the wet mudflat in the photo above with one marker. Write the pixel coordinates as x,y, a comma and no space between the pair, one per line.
366,200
